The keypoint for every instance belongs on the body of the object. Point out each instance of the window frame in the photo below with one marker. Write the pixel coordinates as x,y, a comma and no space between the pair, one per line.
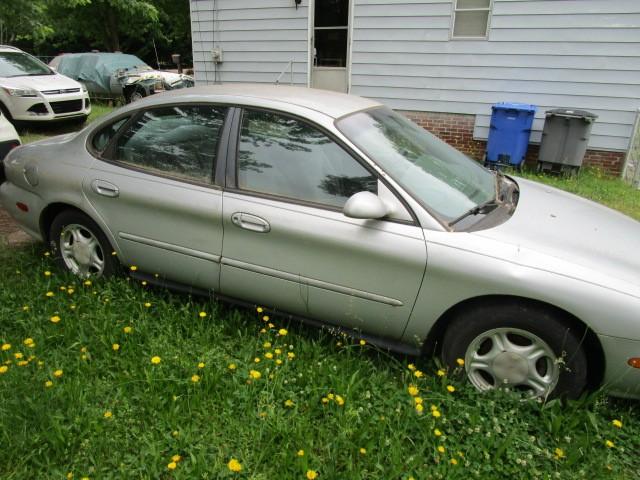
455,10
108,154
231,180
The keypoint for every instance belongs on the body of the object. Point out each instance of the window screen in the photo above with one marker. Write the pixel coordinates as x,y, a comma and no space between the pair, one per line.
180,141
283,156
471,18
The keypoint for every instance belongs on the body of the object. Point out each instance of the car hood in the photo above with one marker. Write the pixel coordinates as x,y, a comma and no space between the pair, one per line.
40,82
573,230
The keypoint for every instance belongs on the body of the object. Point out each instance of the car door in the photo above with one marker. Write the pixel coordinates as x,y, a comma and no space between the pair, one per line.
153,185
287,243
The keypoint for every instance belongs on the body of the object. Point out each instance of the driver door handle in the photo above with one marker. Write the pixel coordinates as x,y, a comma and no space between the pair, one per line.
250,222
104,188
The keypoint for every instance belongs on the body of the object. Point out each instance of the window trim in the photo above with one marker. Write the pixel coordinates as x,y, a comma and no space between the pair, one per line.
455,9
231,184
108,154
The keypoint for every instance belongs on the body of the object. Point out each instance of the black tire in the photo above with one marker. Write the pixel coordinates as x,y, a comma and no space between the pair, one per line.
74,217
136,94
563,340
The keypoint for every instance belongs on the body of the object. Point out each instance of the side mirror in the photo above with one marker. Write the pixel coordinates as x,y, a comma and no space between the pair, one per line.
365,205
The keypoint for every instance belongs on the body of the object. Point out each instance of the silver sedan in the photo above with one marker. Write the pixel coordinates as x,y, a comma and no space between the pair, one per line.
336,210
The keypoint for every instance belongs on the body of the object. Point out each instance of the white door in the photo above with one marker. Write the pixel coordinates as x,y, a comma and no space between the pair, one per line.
330,45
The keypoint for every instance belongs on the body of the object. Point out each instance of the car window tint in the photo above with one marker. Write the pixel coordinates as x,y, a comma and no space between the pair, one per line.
104,136
180,141
283,156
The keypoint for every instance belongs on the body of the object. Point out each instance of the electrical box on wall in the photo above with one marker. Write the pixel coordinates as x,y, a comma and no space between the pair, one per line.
216,53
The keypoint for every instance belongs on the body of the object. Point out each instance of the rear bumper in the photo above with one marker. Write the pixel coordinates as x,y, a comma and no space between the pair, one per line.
620,379
29,221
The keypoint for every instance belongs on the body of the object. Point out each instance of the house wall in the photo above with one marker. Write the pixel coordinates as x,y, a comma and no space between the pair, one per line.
258,39
582,54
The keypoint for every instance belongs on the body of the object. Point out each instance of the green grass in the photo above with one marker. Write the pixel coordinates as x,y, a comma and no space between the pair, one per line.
158,411
34,132
597,186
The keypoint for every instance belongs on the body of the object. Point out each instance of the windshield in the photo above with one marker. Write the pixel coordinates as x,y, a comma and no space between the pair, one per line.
18,64
442,179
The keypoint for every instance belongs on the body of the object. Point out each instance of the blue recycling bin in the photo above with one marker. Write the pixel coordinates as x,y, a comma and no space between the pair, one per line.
509,133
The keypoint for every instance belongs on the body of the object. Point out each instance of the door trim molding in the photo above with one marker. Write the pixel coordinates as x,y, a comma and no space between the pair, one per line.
311,282
170,246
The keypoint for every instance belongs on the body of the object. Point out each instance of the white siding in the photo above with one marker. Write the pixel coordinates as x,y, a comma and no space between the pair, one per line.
258,39
582,54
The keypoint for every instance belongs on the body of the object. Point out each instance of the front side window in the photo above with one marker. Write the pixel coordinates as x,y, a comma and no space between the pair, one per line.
178,141
440,177
471,18
283,156
19,64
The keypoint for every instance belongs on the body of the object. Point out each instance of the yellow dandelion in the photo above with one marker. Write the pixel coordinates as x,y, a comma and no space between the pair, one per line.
48,384
339,400
18,355
58,373
268,355
413,390
28,341
559,453
256,360
460,361
55,319
437,433
453,461
262,330
107,414
436,413
418,400
266,345
195,378
312,474
288,403
411,367
87,283
363,342
232,366
156,360
441,373
609,444
147,304
419,408
300,453
324,400
47,273
278,361
255,374
617,423
440,449
172,465
270,325
175,434
291,355
49,294
418,374
201,365
25,308
265,318
133,268
22,363
176,458
6,346
451,388
115,347
282,332
363,451
259,309
234,465
202,314
127,329
70,291
3,369
278,351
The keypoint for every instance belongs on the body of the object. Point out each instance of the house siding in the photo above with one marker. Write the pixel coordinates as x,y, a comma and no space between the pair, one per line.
258,39
551,53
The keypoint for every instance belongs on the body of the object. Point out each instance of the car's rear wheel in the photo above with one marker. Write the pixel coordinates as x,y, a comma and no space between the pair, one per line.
137,94
517,346
78,245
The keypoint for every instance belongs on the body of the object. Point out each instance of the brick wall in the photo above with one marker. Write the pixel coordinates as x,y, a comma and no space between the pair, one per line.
457,131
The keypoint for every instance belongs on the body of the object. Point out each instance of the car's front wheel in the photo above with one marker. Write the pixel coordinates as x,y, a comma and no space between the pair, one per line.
78,245
519,346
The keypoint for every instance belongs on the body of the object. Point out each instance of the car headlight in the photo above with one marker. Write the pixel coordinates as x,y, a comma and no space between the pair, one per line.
21,92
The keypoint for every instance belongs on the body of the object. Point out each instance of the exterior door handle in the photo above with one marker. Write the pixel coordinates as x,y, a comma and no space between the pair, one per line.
104,188
250,222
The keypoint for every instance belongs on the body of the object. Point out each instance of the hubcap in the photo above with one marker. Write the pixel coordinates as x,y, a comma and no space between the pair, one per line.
514,358
81,251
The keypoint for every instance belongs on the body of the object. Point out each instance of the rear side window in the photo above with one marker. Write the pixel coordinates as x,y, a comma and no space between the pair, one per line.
178,141
103,137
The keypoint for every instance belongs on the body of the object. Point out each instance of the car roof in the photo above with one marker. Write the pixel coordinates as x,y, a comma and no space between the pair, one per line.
327,102
9,48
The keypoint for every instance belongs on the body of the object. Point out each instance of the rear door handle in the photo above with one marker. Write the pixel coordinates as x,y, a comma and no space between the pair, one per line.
104,188
250,222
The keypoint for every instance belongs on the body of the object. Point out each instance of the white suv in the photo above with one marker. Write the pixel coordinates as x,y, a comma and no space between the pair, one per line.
31,91
9,140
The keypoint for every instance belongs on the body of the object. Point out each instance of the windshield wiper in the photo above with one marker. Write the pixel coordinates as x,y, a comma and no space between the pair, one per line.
485,207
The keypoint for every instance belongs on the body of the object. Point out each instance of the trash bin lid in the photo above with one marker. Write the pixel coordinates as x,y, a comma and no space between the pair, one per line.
571,112
514,106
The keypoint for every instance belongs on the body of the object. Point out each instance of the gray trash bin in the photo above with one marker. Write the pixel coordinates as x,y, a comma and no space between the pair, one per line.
565,137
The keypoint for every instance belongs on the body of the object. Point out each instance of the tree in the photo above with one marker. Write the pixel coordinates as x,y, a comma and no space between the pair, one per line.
23,20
